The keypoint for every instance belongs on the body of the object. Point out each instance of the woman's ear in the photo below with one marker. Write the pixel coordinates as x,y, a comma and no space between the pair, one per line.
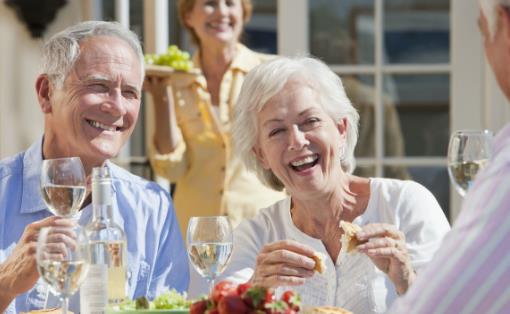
44,90
341,125
260,157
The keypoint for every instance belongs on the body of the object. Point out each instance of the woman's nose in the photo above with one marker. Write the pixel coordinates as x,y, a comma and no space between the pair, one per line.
297,138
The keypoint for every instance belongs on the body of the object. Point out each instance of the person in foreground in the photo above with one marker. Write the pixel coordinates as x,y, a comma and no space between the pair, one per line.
89,92
296,128
470,272
192,141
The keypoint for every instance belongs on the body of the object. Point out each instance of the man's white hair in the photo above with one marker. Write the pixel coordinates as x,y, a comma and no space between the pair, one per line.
489,9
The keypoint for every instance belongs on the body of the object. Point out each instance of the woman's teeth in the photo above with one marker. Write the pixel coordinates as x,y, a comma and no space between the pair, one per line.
306,160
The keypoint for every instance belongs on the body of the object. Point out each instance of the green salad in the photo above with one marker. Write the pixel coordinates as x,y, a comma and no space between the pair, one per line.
168,300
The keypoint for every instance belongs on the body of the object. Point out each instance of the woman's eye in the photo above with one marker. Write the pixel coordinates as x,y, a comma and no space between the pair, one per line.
275,132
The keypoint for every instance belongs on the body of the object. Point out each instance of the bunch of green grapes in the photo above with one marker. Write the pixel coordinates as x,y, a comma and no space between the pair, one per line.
173,57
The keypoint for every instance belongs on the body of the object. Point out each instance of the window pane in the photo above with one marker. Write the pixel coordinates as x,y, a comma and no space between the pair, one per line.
365,171
342,32
260,32
435,179
422,106
416,31
361,92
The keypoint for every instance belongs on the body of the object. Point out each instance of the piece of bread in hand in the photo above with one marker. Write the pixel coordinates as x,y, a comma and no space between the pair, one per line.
348,239
326,310
320,265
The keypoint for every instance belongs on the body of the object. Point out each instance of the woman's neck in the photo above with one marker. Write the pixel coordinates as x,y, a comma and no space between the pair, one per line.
319,217
215,60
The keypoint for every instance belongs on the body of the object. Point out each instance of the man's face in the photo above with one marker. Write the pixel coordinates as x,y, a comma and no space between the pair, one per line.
496,48
95,111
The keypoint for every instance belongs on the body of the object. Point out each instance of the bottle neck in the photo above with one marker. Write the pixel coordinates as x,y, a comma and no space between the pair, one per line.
102,199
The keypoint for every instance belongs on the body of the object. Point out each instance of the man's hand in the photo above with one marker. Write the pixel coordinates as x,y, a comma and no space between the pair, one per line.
19,272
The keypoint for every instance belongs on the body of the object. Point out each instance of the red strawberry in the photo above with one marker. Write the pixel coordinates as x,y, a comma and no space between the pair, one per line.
198,307
241,289
292,299
232,304
256,297
222,289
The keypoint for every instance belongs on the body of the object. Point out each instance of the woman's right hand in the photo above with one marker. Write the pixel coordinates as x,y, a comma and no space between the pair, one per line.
283,263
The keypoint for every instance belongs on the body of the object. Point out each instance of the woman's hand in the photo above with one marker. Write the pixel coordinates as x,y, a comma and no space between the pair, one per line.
387,249
283,263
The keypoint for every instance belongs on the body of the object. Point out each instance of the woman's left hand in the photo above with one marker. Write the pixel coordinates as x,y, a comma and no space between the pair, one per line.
387,249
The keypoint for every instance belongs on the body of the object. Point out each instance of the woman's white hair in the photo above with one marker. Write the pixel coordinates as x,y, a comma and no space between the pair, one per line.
265,81
489,9
61,51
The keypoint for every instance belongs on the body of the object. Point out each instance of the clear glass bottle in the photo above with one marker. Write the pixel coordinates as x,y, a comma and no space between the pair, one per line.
106,282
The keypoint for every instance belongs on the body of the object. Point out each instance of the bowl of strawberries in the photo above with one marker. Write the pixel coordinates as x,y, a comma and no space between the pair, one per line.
229,298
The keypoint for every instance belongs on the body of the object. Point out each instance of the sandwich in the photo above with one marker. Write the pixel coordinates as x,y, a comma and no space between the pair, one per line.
326,310
320,265
348,239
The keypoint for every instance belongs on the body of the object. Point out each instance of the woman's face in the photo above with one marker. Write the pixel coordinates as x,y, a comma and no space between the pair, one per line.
299,141
216,21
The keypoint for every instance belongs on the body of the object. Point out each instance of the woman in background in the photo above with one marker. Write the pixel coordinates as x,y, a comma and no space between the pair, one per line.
192,143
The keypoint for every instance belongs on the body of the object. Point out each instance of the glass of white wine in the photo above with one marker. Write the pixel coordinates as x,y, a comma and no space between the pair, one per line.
468,152
210,243
63,185
63,259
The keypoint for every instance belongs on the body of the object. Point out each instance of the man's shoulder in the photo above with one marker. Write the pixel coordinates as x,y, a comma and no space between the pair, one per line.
135,183
12,165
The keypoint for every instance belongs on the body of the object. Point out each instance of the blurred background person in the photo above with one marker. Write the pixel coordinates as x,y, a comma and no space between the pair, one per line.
295,127
192,142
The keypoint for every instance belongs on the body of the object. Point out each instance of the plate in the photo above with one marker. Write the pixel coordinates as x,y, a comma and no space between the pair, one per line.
165,71
147,312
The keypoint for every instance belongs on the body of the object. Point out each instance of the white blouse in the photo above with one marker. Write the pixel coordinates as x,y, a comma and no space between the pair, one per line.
354,282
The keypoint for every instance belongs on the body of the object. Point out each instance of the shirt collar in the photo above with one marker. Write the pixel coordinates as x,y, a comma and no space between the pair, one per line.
31,200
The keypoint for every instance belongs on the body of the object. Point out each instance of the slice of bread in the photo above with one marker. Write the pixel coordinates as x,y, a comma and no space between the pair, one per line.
47,311
348,239
326,310
320,265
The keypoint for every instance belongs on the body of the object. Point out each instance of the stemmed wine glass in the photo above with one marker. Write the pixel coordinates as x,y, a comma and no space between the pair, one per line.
63,259
63,185
468,152
210,243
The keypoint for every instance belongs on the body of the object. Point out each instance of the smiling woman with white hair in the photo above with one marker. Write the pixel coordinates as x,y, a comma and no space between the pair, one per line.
296,128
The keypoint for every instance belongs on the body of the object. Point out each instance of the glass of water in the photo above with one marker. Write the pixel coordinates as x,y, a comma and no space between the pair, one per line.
210,243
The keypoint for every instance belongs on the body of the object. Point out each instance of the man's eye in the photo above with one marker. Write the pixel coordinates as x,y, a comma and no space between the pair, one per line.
130,94
312,121
98,87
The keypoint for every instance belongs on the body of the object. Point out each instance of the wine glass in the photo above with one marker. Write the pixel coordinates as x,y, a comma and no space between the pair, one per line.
63,185
210,242
468,152
63,259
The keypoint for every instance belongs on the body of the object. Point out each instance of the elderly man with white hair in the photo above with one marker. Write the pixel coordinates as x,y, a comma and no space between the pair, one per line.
471,271
295,126
90,93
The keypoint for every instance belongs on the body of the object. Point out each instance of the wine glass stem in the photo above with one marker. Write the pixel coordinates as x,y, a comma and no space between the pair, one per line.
64,305
211,285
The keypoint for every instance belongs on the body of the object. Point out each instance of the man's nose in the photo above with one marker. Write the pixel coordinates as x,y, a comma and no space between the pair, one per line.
297,138
115,104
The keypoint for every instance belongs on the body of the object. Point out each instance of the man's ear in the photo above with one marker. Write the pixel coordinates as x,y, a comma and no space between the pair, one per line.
503,21
260,157
44,90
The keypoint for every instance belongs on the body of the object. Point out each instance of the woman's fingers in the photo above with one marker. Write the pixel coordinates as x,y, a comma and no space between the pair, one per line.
379,230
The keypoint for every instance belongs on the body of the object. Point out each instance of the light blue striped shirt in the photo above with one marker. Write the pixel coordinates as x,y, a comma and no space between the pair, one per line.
157,257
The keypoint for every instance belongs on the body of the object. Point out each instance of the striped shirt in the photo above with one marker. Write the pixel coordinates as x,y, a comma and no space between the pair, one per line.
471,271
